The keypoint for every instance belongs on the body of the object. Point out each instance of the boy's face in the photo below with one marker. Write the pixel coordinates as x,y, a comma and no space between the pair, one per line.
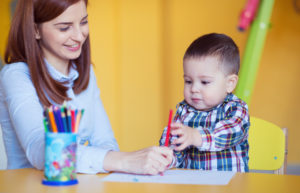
205,84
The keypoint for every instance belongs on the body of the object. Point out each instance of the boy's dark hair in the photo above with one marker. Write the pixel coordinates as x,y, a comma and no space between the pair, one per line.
219,45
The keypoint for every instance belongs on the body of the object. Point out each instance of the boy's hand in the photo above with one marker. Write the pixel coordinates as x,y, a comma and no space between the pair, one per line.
186,136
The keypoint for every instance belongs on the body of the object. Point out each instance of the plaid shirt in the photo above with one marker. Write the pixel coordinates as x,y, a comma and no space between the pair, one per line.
224,132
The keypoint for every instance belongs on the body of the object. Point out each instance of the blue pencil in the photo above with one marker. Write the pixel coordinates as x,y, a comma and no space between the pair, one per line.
63,117
58,119
69,120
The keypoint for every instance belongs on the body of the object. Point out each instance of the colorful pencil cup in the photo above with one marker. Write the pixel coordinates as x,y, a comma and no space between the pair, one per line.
60,159
61,126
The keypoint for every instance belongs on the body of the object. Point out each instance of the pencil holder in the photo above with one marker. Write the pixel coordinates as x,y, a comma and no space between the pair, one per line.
60,159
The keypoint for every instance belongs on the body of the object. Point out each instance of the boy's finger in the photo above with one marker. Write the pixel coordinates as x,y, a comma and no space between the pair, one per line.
179,140
181,147
176,125
177,132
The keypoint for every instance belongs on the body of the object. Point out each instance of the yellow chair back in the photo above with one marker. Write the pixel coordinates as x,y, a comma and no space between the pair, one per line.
267,145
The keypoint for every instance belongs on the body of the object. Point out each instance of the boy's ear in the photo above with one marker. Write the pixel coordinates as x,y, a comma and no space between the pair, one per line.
37,32
231,82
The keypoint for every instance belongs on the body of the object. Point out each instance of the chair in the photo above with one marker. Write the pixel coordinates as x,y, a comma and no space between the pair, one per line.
267,146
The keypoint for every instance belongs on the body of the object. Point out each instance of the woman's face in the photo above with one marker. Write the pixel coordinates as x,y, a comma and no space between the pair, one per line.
61,39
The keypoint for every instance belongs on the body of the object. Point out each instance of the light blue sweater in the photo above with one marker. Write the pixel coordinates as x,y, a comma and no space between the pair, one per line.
21,118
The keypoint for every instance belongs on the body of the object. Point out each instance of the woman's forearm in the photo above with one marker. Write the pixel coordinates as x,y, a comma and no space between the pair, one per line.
152,160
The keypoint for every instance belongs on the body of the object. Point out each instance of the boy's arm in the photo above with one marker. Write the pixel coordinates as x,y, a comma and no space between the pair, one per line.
228,132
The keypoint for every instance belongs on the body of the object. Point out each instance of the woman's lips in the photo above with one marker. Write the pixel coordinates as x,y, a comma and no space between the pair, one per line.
73,48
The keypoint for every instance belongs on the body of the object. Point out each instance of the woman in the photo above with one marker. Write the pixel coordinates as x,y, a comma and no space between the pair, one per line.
48,62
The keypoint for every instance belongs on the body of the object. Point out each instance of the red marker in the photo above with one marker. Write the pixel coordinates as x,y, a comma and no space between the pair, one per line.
169,128
168,133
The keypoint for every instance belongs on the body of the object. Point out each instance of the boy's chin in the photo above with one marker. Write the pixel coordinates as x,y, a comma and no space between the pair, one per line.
201,107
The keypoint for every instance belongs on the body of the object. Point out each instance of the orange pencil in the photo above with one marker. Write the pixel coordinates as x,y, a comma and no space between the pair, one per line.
52,120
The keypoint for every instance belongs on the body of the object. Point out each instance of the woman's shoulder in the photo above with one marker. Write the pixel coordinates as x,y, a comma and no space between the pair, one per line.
18,71
15,68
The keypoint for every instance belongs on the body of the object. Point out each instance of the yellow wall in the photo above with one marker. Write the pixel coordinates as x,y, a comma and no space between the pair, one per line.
137,49
4,24
127,53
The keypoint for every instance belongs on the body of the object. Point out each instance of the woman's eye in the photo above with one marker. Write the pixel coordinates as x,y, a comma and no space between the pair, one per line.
64,28
84,22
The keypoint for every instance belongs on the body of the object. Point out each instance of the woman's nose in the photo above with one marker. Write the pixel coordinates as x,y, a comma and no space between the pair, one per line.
78,34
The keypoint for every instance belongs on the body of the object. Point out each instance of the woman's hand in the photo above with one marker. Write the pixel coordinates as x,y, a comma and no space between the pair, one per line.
152,161
186,136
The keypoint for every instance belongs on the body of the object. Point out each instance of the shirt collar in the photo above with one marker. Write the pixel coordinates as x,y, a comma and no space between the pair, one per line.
58,76
189,108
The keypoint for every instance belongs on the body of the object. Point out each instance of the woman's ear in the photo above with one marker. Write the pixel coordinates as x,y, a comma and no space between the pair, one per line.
231,82
37,32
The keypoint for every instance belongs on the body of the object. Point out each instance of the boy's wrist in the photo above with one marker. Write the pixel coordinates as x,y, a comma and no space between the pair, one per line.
197,139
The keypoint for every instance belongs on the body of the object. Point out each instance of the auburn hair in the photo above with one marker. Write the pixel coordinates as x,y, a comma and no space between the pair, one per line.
22,46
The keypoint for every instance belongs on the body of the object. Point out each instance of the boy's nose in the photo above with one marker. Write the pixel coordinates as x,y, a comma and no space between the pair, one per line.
195,87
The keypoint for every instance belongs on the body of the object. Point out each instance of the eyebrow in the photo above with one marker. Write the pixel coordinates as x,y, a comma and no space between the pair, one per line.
186,76
69,23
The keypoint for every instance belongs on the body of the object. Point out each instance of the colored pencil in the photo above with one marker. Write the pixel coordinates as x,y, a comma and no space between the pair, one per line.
168,129
69,120
72,120
58,119
168,133
52,121
78,117
48,119
45,121
64,120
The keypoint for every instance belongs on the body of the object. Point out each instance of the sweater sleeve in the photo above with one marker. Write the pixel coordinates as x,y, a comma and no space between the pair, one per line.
25,112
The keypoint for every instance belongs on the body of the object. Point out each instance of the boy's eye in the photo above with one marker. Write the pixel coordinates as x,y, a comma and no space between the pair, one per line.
188,82
205,82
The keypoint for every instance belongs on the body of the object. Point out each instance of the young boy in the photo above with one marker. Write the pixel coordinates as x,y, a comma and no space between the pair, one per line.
210,128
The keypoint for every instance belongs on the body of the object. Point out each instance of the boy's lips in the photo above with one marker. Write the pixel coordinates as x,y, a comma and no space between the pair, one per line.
196,100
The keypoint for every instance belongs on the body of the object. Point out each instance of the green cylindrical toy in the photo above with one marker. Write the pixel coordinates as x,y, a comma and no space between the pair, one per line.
253,51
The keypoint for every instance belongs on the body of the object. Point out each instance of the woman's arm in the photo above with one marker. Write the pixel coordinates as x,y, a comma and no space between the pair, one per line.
25,112
152,160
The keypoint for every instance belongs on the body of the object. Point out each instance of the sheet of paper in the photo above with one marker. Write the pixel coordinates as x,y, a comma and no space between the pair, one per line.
176,177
